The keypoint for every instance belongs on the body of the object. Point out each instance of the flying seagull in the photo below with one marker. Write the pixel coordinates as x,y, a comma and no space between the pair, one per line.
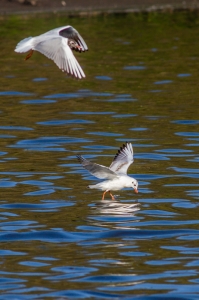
57,44
116,175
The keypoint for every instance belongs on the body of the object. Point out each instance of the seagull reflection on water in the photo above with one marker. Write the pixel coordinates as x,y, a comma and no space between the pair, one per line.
117,208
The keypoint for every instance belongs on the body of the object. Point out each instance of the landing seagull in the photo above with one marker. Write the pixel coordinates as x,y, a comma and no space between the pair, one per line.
57,44
116,174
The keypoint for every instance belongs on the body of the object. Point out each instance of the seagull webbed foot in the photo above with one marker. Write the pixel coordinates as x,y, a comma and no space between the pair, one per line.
29,54
112,197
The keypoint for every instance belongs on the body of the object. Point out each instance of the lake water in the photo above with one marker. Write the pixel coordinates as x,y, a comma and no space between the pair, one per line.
60,240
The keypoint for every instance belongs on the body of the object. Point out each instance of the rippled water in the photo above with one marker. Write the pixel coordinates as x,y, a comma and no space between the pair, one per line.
60,240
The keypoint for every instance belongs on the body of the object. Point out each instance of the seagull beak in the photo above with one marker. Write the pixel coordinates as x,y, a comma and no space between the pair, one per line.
136,191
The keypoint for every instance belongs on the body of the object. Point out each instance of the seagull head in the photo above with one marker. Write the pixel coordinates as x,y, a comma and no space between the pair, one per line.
135,185
131,183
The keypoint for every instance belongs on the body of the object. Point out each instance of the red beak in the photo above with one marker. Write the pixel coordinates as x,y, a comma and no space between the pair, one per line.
136,191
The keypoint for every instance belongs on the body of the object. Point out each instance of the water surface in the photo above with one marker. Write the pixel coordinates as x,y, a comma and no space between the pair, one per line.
60,240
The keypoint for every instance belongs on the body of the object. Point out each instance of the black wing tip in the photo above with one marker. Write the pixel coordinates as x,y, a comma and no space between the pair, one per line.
79,158
121,149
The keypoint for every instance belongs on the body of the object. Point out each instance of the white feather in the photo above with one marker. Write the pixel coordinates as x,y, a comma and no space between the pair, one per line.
54,45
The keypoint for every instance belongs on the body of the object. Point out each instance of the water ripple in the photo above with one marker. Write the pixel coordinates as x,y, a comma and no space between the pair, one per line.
163,82
135,68
47,205
48,143
15,128
65,122
63,236
37,101
15,93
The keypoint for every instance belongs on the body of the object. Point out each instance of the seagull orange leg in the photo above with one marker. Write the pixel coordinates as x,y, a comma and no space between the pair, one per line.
29,54
112,197
104,195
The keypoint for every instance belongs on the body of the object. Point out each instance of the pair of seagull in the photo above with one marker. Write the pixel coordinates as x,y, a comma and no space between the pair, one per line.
57,44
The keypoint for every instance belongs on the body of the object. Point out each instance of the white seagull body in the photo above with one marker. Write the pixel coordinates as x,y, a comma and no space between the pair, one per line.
116,174
57,44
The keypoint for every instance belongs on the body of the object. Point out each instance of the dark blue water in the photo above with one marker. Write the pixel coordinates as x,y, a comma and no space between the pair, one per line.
60,240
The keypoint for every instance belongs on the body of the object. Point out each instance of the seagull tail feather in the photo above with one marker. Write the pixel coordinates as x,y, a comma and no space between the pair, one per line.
24,46
91,186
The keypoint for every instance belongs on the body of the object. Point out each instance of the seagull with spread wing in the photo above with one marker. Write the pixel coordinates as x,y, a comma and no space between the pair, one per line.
57,44
116,174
